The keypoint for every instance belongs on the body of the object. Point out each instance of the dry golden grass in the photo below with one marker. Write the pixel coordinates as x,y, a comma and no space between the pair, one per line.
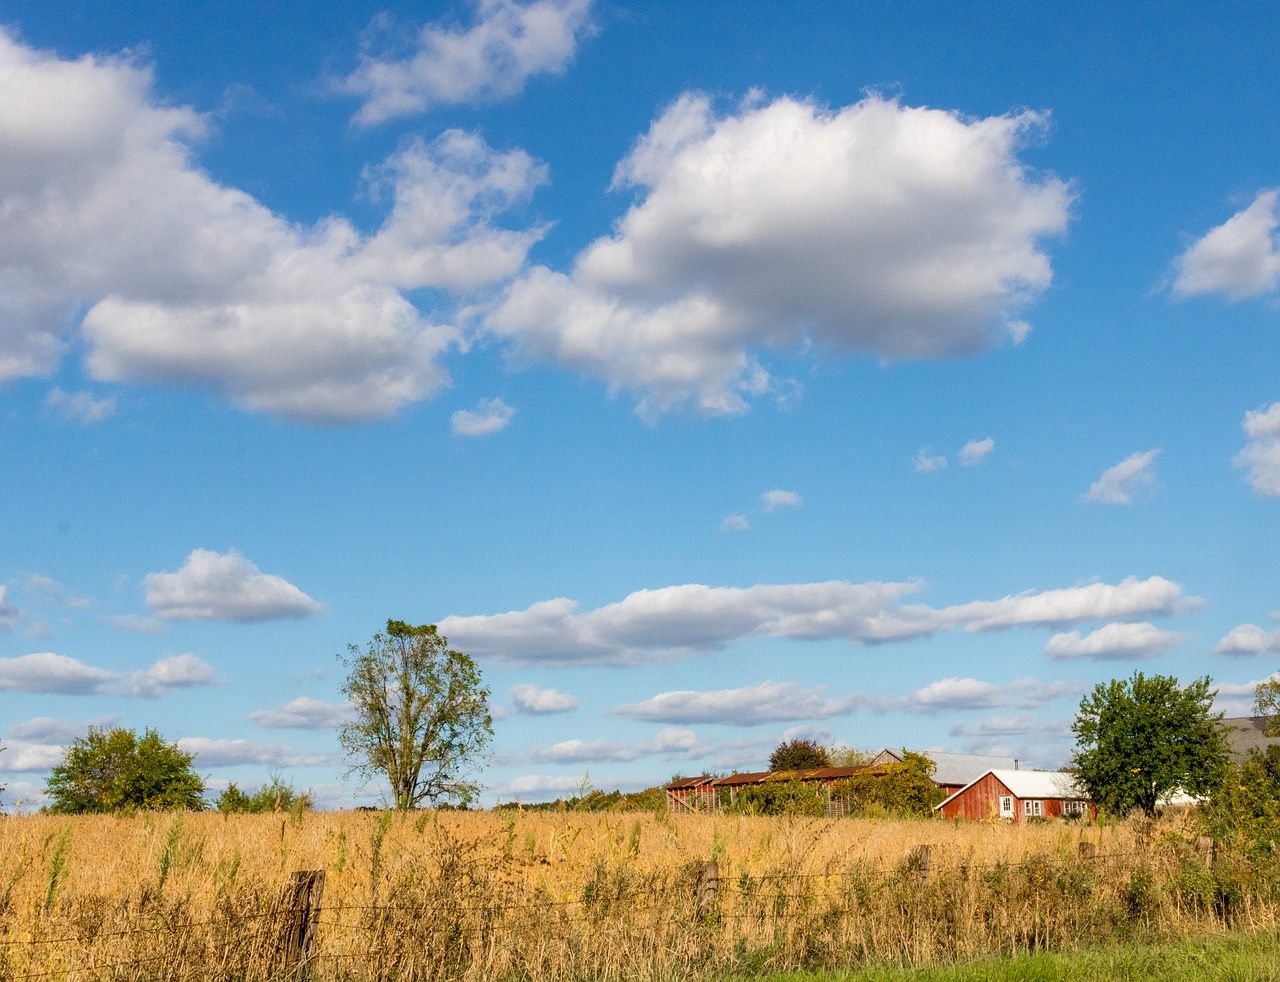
600,896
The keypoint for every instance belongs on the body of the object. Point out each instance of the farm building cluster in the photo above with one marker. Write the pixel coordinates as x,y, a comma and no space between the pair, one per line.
976,786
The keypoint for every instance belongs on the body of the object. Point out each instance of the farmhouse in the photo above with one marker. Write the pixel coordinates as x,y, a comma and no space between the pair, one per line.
1018,795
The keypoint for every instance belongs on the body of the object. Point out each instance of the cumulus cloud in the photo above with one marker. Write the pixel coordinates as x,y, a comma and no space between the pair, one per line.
749,705
737,522
303,713
1004,725
489,60
1261,454
680,620
1248,639
876,228
1118,484
176,672
8,612
49,730
79,407
535,701
928,463
967,693
48,672
671,742
225,587
777,498
490,416
975,451
1113,642
1239,258
186,281
225,753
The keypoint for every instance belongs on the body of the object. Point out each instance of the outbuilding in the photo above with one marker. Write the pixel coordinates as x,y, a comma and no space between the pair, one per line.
1018,795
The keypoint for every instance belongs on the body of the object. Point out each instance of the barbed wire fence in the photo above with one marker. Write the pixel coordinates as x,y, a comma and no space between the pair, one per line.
297,936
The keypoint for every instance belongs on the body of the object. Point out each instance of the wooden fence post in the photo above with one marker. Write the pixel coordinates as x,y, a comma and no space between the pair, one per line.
1088,850
302,920
708,887
1205,845
919,859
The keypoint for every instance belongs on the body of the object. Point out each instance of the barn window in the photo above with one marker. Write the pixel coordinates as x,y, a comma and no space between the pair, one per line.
1006,806
1033,809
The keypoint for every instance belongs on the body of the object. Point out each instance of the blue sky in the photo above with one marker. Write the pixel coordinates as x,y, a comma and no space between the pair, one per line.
714,373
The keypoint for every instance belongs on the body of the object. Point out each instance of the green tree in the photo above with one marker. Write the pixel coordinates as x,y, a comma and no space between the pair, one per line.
1266,703
799,755
112,768
1140,739
422,716
274,796
841,756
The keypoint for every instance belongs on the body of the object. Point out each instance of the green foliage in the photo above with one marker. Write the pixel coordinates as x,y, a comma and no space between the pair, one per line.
1266,702
274,796
841,756
1140,739
776,796
422,716
110,769
1246,803
904,788
799,755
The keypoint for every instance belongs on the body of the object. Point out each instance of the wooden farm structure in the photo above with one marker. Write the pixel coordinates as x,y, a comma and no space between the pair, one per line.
708,794
1018,796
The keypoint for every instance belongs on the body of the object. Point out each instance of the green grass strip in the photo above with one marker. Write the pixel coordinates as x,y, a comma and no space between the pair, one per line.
1237,957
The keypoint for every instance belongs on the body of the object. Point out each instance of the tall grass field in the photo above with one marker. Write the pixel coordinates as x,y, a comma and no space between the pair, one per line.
567,896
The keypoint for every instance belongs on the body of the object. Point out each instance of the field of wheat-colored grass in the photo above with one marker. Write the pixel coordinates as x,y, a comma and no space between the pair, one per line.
512,895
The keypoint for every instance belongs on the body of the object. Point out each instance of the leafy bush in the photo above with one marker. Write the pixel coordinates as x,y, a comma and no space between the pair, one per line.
905,788
110,769
776,796
274,796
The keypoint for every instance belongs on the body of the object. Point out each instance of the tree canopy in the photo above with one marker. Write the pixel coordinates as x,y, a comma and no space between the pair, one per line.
799,755
1140,739
112,768
1266,703
422,716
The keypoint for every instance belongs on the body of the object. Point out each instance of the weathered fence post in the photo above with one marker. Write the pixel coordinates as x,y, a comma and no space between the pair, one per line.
1088,850
919,860
302,920
1205,845
708,887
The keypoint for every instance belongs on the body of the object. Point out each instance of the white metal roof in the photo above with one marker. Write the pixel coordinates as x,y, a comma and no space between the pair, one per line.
952,768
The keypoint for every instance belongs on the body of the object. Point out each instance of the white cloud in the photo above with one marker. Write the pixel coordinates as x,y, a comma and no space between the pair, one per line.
49,672
225,587
679,620
1248,639
1118,484
737,522
79,407
875,228
536,701
186,281
8,612
1261,454
967,693
490,60
175,672
303,713
490,416
927,463
19,756
51,591
1004,726
1131,597
671,742
766,702
1113,642
777,498
975,451
225,753
1236,699
536,786
1240,258
49,730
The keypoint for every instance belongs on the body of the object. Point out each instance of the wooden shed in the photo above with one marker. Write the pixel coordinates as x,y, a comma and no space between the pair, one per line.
1018,796
706,793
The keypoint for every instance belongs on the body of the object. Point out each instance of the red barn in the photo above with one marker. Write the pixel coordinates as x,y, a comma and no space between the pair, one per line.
1018,796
